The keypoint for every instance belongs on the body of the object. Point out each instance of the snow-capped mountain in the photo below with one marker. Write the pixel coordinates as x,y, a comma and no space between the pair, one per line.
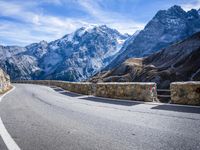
74,57
166,27
87,50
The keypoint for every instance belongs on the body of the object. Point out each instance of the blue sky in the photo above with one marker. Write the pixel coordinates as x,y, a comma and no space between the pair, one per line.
26,21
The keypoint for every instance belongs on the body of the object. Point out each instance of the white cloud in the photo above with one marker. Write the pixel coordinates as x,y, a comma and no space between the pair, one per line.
36,25
57,2
191,5
112,19
36,20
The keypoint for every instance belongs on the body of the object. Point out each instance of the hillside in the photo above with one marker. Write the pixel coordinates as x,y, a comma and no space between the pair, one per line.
178,62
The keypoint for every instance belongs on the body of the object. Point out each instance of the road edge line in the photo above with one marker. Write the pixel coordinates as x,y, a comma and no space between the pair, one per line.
8,140
13,87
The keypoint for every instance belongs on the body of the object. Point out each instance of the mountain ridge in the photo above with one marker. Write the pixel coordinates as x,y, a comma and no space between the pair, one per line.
165,28
70,54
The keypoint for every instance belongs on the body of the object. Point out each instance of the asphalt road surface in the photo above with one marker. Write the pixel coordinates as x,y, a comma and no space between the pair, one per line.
48,118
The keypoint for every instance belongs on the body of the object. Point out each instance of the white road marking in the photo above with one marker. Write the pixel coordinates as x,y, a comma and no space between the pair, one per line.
85,96
8,140
10,143
6,93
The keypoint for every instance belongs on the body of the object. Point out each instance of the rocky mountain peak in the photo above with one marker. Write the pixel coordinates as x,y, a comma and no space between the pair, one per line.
167,27
92,30
193,13
43,42
173,12
176,9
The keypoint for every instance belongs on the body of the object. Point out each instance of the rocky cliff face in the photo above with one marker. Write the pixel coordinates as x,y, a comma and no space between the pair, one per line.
74,57
178,62
166,27
4,81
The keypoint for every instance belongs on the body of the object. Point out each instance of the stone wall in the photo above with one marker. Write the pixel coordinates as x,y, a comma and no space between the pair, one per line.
128,90
185,93
131,91
4,82
77,87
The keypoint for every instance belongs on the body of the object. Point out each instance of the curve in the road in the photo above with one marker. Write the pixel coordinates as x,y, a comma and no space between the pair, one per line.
41,117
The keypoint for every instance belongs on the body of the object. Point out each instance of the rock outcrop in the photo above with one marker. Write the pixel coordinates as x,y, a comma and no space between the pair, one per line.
4,82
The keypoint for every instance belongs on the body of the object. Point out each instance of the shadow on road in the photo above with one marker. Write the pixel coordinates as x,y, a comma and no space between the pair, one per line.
58,90
103,100
70,94
61,91
178,108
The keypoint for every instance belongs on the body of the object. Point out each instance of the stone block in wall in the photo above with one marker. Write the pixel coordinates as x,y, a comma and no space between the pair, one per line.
187,93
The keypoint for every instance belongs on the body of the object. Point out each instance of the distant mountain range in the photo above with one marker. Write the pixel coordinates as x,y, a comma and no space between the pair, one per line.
88,50
178,62
74,57
166,27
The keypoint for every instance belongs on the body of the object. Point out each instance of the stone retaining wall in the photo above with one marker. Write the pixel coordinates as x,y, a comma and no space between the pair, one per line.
132,91
185,93
77,87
